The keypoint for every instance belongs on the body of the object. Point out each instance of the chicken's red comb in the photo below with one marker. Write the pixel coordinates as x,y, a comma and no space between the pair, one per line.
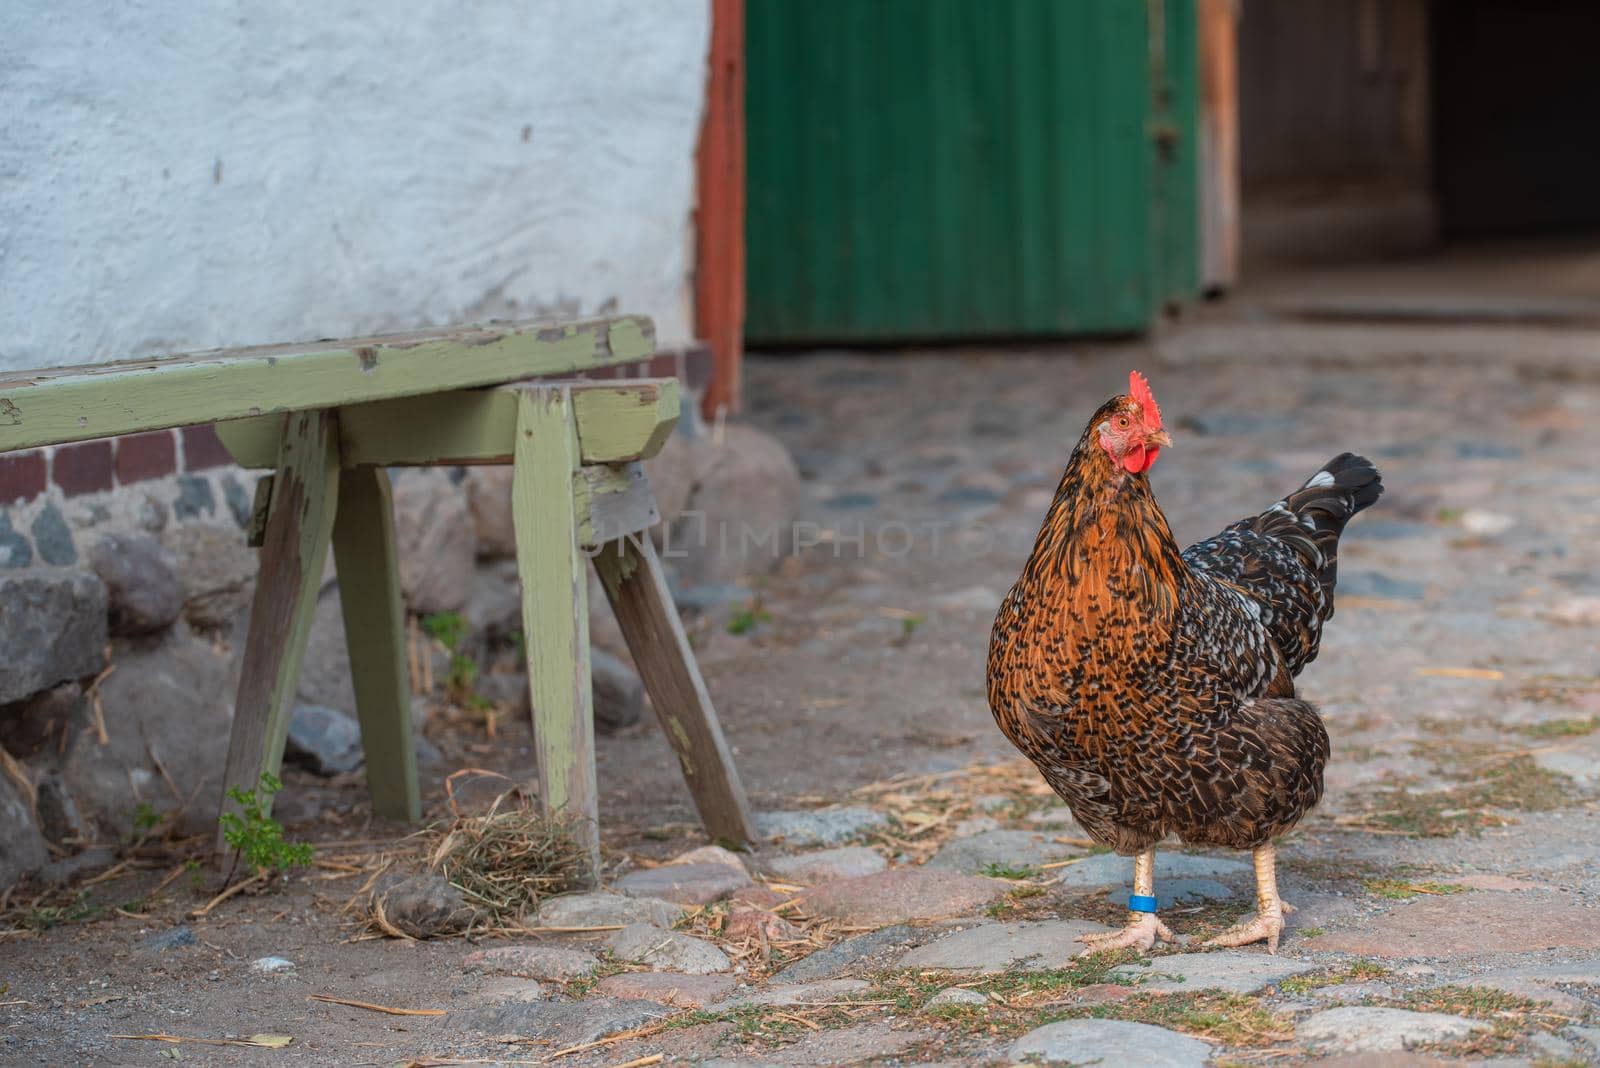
1139,390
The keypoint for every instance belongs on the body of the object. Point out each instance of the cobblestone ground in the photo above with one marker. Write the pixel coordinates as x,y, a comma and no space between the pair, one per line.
919,892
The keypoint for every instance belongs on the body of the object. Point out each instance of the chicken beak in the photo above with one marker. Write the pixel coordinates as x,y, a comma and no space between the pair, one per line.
1158,437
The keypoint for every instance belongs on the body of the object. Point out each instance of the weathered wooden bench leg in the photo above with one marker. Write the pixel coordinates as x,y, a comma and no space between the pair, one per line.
637,588
555,608
374,627
295,546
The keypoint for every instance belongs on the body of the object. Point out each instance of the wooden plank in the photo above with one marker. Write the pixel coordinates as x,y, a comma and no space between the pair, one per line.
295,547
1219,144
626,421
374,627
612,501
555,609
74,403
617,422
637,589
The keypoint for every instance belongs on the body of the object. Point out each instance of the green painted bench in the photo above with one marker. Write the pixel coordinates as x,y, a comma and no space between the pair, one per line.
328,421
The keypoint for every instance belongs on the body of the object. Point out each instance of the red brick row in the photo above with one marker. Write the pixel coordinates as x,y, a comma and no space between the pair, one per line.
98,466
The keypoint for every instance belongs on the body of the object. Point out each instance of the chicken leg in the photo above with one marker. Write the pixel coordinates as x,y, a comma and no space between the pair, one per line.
1143,927
1270,908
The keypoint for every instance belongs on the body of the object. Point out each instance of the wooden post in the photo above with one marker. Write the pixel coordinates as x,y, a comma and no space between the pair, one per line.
555,608
1219,144
719,218
294,548
637,589
374,627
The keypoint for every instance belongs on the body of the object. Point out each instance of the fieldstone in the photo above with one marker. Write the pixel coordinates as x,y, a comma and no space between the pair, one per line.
684,884
974,825
512,989
179,937
845,862
324,740
859,955
1379,585
30,727
758,896
54,627
142,586
1468,925
325,676
22,847
1109,1042
1363,1029
601,909
1108,869
488,491
68,869
564,1023
195,498
218,571
1486,524
1342,992
53,538
967,600
57,813
554,964
494,611
618,691
672,474
744,923
1004,849
954,996
436,540
670,951
872,1043
423,905
168,712
15,549
818,827
241,502
1179,892
1231,970
999,947
902,894
798,994
679,991
741,515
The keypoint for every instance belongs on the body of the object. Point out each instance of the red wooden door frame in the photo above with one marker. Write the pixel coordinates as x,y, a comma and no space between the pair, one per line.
719,214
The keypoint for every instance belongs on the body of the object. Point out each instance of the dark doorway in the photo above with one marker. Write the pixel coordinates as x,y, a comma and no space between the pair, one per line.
1515,103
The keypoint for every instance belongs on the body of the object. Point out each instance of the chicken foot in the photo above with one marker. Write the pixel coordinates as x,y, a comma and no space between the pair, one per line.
1270,908
1143,927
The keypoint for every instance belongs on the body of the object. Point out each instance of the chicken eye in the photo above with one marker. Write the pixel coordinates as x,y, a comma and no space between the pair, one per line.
1122,422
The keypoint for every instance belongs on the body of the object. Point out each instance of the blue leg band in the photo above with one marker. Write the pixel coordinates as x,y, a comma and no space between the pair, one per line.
1141,903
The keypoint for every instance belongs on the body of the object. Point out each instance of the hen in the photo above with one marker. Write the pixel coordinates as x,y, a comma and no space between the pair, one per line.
1153,688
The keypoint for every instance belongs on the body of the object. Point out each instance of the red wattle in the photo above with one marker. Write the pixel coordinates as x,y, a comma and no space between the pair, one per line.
1150,456
1133,460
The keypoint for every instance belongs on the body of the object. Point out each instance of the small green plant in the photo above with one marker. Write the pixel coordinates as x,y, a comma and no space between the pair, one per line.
1400,890
44,917
463,676
145,817
745,620
447,628
256,837
909,625
998,870
196,872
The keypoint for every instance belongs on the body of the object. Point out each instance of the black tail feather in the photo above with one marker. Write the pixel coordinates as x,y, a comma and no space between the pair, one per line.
1313,516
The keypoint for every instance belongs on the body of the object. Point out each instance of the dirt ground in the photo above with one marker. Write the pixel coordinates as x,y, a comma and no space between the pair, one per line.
1458,681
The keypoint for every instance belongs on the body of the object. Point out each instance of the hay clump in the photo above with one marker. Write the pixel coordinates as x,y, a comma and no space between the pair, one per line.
509,858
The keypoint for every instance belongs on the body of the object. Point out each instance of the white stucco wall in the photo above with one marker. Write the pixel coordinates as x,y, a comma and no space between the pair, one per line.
184,174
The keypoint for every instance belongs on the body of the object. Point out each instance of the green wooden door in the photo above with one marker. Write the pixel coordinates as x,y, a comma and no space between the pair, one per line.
926,169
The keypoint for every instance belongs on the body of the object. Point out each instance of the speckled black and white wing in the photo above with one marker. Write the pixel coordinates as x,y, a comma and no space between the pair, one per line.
1281,564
